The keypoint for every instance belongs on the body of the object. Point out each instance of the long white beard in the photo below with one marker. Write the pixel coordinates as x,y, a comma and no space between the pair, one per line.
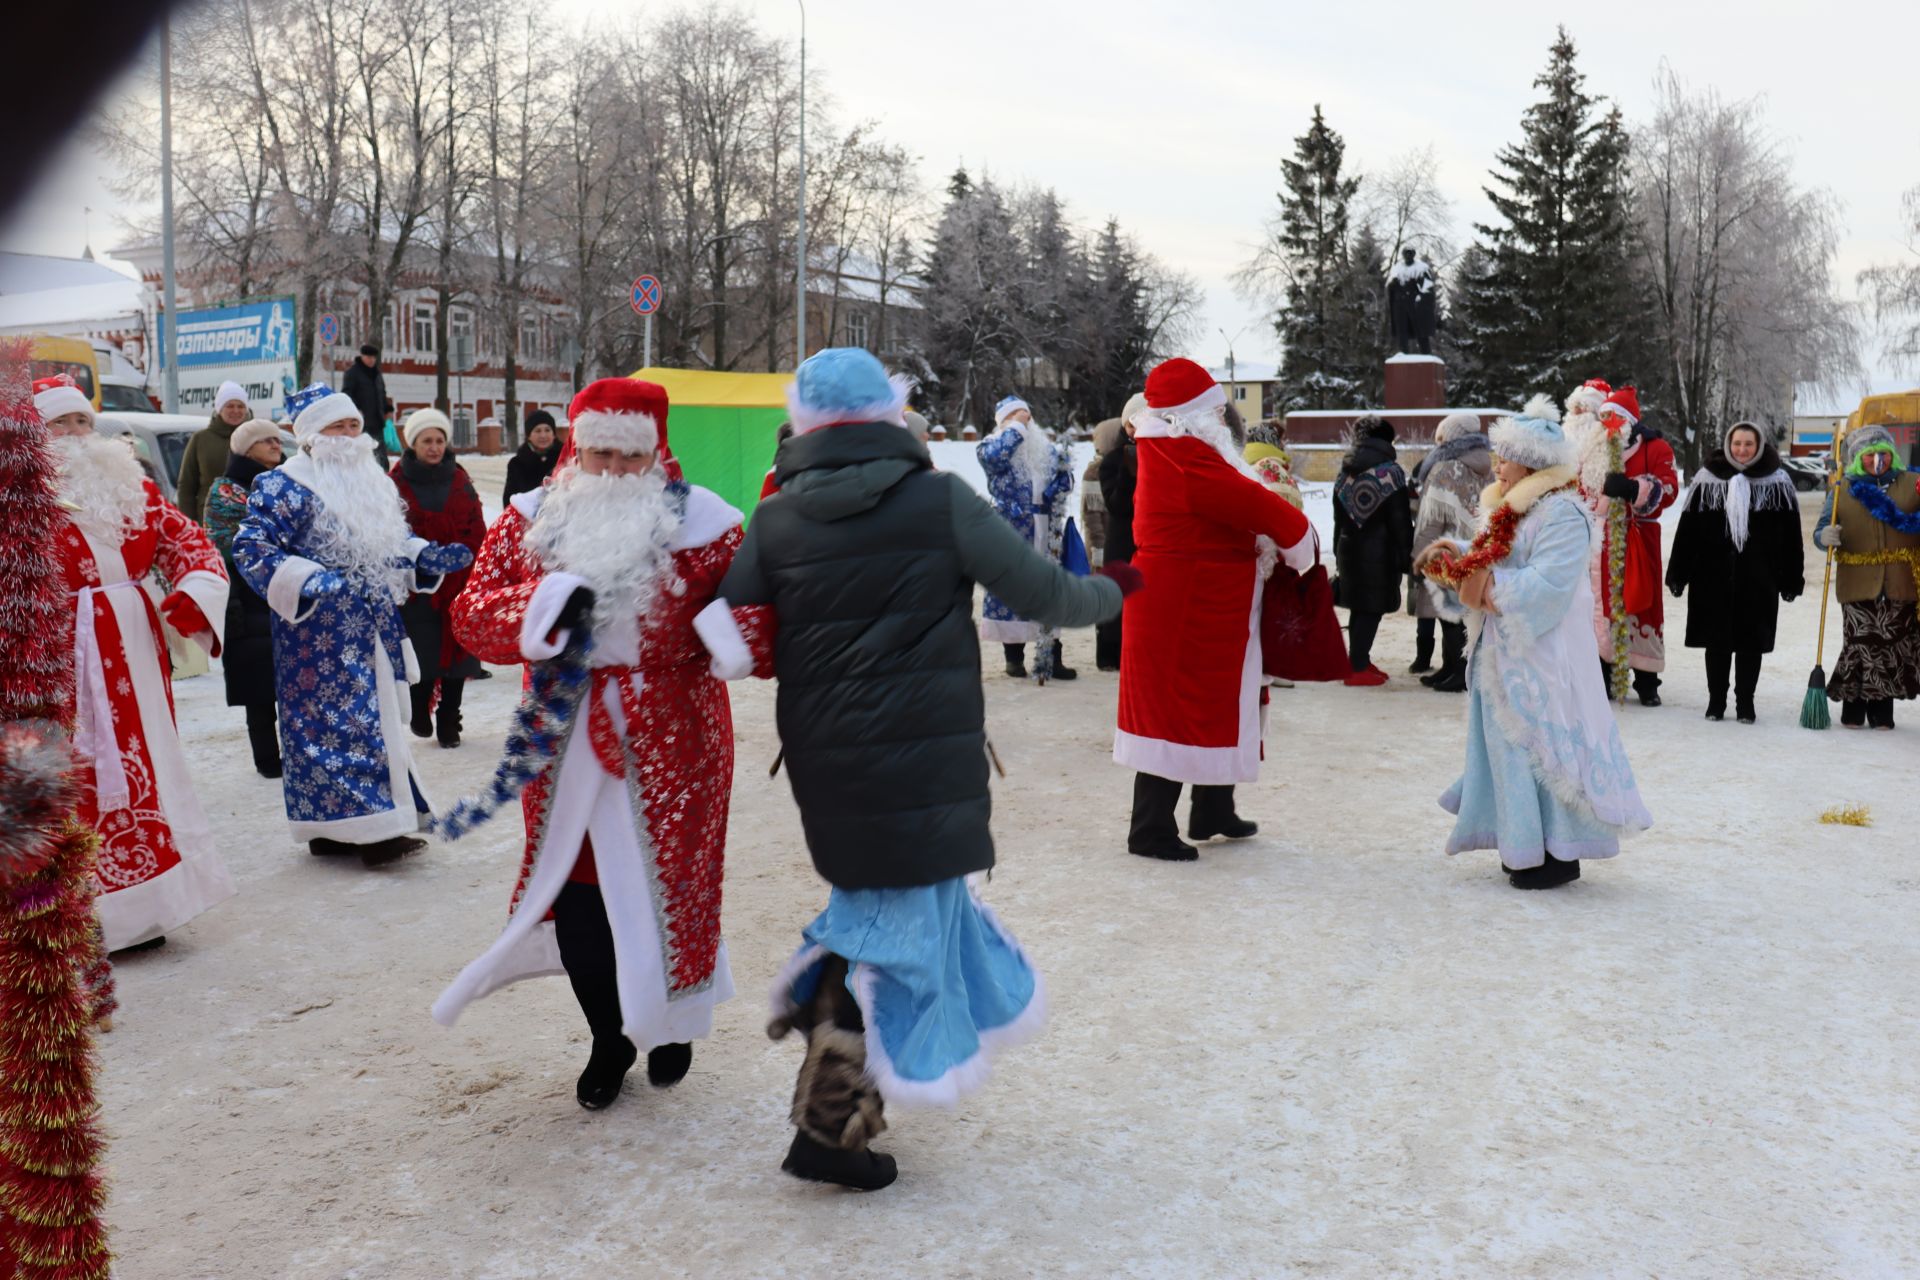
617,532
362,525
1035,457
102,481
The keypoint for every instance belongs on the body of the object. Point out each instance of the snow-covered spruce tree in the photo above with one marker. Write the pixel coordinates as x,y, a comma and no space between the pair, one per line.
1308,248
1558,302
1361,339
51,1192
1112,319
973,273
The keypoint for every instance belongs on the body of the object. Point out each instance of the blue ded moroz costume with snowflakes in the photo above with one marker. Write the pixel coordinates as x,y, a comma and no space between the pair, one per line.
1547,781
325,542
906,982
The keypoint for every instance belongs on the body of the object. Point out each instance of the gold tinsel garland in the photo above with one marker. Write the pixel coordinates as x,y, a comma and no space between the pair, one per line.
1908,556
1617,571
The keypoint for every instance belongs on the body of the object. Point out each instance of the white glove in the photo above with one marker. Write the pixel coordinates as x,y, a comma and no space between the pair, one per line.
1829,536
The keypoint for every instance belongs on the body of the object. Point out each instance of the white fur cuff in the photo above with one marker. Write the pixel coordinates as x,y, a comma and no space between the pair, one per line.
717,629
208,591
1304,554
538,641
283,588
422,587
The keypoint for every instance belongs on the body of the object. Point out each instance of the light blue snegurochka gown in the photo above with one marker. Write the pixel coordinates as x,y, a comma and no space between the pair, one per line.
1546,771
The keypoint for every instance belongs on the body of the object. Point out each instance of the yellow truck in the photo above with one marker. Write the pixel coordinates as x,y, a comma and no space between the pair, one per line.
1898,412
71,356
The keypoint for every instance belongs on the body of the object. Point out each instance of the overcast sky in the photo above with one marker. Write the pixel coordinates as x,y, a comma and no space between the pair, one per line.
1174,118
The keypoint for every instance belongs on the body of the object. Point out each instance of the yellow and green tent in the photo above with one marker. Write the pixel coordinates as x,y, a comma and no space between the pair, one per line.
721,427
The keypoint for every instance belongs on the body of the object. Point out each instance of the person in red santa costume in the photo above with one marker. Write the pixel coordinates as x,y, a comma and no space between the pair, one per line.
1208,532
619,887
157,866
1647,483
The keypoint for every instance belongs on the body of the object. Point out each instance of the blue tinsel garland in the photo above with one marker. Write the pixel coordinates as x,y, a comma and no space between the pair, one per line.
540,725
1881,508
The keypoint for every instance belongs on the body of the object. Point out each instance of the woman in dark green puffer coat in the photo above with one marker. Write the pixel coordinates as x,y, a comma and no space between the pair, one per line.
870,559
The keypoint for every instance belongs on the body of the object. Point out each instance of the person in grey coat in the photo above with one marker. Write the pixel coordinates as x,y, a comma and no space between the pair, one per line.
1448,481
869,558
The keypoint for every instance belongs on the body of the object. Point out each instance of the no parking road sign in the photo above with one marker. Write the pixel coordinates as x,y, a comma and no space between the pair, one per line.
646,295
646,301
329,329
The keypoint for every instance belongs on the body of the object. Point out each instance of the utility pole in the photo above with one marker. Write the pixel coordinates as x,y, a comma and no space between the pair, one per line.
800,269
171,354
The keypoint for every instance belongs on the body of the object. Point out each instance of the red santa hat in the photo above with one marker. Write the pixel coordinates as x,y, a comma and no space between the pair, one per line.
58,396
1180,386
627,414
1625,403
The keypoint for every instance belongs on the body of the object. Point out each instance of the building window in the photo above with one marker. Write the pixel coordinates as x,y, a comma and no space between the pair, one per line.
423,328
857,329
387,339
460,336
1239,392
532,349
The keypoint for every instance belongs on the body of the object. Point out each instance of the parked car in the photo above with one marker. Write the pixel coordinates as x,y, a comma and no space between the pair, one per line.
1808,474
160,439
121,394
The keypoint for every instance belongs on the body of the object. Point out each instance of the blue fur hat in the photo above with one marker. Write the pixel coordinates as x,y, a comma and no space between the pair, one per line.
1007,406
845,384
1533,437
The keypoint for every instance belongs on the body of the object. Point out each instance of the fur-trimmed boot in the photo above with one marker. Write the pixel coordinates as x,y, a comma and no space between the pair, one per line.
836,1107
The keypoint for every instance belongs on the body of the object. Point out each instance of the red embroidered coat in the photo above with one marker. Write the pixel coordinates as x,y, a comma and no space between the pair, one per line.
460,521
646,775
157,866
1190,650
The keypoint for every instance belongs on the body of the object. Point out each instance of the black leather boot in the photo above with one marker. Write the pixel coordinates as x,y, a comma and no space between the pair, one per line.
1061,671
422,696
1422,647
1746,678
1155,831
1213,815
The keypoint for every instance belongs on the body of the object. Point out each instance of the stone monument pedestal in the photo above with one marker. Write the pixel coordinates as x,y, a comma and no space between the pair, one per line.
1415,382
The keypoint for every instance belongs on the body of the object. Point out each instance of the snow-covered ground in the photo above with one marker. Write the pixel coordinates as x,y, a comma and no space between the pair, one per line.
1327,1051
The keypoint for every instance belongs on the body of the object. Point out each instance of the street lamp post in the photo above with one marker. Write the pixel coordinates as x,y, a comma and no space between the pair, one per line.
171,394
800,268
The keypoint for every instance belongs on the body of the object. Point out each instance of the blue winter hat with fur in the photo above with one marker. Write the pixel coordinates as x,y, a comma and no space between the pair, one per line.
845,384
1533,437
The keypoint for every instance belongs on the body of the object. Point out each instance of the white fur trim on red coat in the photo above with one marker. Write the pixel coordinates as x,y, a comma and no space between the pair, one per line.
539,641
627,432
208,591
717,629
